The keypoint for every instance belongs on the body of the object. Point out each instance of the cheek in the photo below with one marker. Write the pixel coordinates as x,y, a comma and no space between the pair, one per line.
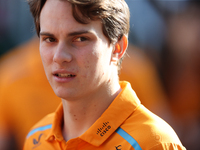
87,61
46,56
90,62
46,60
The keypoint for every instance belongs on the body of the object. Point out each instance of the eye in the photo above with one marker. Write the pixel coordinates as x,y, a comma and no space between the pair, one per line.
81,39
49,39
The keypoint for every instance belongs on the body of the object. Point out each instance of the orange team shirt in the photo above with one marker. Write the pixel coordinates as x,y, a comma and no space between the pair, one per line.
126,124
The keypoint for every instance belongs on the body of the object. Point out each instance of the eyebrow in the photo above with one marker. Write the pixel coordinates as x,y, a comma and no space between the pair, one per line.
78,33
46,34
70,34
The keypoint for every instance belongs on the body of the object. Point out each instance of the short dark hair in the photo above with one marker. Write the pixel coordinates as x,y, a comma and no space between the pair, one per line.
114,15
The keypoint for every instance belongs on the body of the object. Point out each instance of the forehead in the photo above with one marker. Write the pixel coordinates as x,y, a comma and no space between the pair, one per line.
58,14
56,8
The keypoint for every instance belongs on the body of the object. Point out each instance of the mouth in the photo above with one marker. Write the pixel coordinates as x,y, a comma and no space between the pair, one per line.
64,75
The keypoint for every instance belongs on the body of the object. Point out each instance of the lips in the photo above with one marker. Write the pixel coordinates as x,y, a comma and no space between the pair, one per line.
64,75
61,73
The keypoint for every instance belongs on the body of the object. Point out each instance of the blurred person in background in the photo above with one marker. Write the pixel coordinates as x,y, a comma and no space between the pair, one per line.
174,49
14,30
180,70
25,94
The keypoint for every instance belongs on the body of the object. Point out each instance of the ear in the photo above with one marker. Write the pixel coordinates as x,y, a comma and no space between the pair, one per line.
120,48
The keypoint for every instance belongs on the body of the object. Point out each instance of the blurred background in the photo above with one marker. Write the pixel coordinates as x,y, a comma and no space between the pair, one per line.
162,64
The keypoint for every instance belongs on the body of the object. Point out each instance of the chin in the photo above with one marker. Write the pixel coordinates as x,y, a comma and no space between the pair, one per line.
63,94
59,92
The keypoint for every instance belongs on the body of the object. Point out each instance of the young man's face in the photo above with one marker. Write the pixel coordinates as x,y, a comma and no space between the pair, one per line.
76,57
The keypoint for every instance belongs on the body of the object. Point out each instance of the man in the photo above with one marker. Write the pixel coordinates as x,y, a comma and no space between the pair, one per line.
81,46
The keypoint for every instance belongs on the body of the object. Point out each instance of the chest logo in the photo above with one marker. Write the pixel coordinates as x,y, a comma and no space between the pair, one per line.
35,142
104,129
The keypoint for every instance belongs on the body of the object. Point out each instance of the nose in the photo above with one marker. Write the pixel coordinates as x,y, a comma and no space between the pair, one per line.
62,54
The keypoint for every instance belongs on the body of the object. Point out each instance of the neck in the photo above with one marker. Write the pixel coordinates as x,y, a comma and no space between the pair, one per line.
79,115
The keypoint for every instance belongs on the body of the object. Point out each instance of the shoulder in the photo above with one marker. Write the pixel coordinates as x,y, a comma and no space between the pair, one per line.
149,130
39,131
43,124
